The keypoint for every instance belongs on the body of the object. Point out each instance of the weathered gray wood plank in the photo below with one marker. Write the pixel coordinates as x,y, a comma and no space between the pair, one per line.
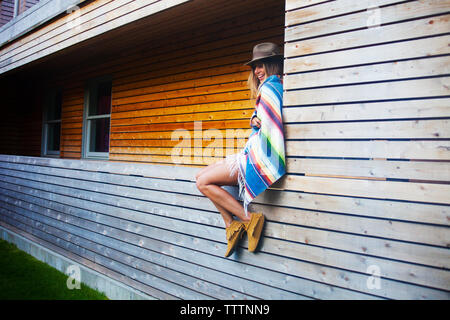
207,246
384,248
112,211
323,220
84,256
139,286
393,270
195,256
399,211
105,194
157,171
139,238
122,261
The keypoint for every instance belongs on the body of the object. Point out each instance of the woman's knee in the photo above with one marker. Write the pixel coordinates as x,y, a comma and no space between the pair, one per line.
216,174
200,182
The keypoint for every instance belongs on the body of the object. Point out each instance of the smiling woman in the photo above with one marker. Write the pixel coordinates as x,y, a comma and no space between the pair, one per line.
265,63
261,162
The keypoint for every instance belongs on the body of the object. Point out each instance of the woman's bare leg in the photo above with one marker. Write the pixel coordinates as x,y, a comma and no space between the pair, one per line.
226,216
209,182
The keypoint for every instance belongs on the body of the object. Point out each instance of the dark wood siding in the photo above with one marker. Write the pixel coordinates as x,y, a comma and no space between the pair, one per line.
21,121
24,5
6,11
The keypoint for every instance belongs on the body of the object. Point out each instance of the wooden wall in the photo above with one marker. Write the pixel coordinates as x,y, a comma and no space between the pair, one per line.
191,81
90,19
367,126
6,11
147,226
163,89
24,5
169,75
21,121
363,212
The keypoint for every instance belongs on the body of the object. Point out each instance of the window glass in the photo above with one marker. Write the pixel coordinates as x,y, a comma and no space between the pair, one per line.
101,99
99,135
53,136
97,116
54,106
52,123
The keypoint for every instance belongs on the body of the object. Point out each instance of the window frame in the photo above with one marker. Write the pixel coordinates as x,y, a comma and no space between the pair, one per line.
50,98
91,87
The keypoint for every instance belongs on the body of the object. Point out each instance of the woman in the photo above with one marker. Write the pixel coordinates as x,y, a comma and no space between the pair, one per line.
261,162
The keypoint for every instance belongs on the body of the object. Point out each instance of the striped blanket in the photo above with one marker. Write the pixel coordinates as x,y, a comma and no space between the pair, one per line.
262,161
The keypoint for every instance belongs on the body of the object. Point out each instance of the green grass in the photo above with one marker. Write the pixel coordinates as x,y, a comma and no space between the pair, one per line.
23,277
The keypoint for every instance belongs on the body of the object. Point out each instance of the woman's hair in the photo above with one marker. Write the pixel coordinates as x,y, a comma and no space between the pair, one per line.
272,66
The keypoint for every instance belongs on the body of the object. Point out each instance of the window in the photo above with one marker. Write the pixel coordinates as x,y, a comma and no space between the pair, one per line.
97,116
51,136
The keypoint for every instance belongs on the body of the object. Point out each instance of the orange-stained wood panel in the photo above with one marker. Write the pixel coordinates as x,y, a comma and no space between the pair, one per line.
189,106
193,83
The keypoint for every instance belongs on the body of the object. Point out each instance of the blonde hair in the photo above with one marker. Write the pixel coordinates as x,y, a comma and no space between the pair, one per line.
272,66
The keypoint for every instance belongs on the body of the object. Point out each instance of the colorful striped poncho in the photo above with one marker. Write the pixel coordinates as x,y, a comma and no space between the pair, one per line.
262,161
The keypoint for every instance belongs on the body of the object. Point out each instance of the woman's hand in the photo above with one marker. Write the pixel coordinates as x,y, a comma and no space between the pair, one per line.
256,122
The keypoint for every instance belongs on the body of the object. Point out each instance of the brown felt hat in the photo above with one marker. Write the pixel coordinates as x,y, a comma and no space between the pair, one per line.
263,51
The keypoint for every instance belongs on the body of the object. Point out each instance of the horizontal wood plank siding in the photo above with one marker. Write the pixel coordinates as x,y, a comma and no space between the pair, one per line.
189,85
363,211
6,11
88,21
165,106
366,118
24,5
144,238
151,223
72,118
150,231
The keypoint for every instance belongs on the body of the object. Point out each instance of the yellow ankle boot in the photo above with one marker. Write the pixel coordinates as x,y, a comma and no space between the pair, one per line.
254,230
234,232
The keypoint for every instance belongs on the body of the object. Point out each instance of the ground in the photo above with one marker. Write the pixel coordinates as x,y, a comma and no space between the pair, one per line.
23,277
